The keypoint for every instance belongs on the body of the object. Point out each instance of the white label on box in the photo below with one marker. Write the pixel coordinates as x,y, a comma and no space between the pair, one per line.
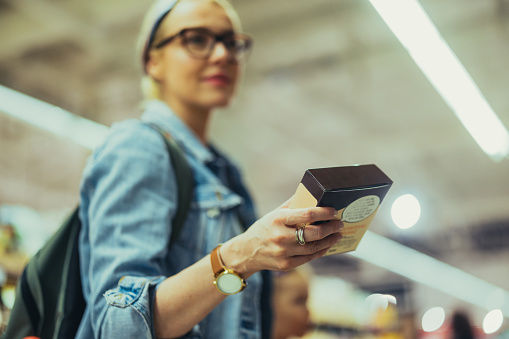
360,209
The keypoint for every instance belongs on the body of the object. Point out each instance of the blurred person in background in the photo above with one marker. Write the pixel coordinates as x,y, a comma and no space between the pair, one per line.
134,284
290,296
461,327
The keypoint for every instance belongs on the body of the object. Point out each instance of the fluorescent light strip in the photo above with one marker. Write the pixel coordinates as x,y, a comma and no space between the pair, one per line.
53,119
414,29
428,271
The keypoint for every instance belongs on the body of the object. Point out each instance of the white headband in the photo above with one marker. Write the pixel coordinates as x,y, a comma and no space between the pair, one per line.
155,15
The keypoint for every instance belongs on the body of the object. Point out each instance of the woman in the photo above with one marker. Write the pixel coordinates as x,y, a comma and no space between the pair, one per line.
134,285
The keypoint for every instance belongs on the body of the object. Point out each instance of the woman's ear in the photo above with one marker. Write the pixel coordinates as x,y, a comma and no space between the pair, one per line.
154,65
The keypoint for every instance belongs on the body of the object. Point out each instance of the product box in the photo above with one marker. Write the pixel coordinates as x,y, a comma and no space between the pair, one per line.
355,191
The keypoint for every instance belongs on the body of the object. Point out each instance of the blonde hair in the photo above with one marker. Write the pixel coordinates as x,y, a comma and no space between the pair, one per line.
154,18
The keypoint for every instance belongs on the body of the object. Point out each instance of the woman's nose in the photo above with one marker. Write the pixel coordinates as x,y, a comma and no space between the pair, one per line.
220,52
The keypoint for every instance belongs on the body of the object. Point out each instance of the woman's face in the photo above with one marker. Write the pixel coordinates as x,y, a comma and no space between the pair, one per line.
187,81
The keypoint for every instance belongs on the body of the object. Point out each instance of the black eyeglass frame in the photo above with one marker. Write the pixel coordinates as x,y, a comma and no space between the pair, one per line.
248,41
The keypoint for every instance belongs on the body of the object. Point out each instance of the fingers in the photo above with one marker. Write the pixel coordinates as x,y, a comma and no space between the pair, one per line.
317,232
312,247
274,244
309,252
302,259
306,215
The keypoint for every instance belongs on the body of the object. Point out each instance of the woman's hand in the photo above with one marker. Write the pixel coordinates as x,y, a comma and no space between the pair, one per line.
270,243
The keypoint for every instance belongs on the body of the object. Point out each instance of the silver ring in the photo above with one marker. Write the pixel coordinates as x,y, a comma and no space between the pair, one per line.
299,236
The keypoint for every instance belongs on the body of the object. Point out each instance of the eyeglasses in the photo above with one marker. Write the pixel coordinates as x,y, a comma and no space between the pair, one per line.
200,43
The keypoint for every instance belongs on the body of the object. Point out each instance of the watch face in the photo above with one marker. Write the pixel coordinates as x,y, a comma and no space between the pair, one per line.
229,283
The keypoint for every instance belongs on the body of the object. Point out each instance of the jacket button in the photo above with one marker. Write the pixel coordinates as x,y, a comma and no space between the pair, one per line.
213,212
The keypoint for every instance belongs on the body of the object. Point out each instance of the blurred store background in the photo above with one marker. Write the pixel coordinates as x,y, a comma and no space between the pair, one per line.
330,83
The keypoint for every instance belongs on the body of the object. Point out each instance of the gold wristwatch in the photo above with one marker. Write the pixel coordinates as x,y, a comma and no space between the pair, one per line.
226,280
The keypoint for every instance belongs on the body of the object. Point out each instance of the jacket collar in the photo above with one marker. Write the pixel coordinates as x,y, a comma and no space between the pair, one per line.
159,113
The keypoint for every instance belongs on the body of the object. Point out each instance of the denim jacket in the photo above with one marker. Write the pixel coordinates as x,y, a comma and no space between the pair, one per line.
128,199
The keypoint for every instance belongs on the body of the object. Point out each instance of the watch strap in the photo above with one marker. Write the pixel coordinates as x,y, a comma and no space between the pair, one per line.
216,262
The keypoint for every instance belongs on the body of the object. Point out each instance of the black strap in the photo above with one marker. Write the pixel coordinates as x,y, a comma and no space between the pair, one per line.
74,302
30,304
185,181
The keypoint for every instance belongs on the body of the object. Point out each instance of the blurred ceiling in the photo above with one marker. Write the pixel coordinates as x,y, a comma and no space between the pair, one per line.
328,84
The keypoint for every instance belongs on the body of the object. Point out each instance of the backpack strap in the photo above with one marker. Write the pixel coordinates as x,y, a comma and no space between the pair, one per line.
185,181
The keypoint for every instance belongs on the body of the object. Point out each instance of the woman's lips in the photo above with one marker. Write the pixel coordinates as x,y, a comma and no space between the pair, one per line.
218,80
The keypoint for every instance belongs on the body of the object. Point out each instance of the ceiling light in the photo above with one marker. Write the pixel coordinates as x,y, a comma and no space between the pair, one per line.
51,118
414,29
495,299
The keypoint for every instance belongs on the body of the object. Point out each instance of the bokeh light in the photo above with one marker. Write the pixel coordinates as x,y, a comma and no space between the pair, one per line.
433,319
493,321
406,211
377,302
